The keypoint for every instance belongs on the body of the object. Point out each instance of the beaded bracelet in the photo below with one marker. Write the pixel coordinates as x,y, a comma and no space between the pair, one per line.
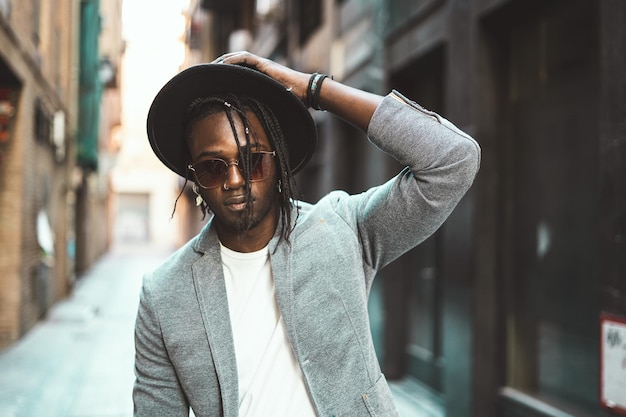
313,90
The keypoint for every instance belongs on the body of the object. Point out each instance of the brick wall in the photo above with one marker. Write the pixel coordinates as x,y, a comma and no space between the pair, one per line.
32,177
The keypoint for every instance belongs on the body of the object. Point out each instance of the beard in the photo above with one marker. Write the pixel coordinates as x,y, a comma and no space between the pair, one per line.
246,220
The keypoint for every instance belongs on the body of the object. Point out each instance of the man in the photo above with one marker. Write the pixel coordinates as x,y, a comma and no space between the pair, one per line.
264,313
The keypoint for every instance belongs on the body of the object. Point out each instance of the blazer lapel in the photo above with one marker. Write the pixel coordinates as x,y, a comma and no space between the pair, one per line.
280,257
208,278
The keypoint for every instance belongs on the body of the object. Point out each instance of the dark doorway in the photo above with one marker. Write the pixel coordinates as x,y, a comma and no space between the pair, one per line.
549,167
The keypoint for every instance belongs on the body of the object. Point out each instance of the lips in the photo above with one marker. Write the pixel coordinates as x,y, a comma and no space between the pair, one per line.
238,202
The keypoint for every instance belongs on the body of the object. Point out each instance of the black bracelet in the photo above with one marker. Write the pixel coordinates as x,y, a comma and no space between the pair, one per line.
309,95
313,90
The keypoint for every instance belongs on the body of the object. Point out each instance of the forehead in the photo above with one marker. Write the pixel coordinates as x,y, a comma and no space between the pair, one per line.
215,131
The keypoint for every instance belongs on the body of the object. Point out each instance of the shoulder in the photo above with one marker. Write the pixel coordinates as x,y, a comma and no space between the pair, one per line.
336,206
172,272
333,202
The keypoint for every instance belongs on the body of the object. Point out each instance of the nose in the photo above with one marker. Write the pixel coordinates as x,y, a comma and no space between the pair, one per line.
234,179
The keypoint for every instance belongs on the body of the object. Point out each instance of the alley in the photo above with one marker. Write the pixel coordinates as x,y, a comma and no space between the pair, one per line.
78,361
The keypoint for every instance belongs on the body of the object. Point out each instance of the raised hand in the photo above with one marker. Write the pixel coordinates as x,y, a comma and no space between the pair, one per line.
293,80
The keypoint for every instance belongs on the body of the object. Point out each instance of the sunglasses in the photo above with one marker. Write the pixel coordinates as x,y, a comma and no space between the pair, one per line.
211,173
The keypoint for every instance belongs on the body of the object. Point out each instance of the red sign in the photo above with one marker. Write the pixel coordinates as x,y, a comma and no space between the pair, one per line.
6,113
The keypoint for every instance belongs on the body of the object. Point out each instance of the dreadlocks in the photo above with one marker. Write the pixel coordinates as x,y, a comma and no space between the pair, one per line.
238,106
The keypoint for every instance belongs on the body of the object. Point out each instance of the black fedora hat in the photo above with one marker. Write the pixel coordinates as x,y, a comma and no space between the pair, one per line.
165,117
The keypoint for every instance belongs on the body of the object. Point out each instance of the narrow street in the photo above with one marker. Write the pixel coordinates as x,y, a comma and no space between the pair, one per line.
78,361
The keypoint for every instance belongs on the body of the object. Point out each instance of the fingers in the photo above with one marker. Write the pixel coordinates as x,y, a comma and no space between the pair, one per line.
250,60
238,58
224,57
293,81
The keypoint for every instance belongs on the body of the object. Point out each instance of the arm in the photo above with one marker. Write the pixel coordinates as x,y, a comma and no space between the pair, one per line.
441,161
353,105
157,391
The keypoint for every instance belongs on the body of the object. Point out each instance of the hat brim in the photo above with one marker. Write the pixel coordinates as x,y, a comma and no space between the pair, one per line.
165,117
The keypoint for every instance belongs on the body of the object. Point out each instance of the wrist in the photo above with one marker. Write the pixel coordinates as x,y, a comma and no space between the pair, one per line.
313,91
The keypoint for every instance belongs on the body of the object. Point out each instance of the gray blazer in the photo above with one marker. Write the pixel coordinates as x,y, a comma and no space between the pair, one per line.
184,349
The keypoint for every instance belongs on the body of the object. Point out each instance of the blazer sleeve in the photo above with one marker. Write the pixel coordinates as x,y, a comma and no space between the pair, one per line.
157,391
441,162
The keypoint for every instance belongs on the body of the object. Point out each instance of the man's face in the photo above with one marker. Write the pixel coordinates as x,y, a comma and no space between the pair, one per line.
212,137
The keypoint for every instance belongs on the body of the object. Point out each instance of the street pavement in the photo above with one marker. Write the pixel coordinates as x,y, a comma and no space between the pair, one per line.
78,361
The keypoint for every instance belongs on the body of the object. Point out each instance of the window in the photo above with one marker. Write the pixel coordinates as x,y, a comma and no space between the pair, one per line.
36,21
310,18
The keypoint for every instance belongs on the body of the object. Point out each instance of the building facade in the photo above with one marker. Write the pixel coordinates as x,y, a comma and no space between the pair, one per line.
39,175
499,313
100,51
38,73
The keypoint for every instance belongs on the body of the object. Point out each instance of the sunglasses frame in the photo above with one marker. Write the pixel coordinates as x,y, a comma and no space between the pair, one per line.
227,165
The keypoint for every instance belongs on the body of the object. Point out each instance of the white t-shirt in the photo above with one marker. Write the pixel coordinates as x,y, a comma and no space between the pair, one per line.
270,380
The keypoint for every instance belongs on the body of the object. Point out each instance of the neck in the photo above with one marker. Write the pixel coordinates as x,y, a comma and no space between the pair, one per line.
249,240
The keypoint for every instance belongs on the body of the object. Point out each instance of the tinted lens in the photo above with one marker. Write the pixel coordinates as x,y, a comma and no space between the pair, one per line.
260,165
210,172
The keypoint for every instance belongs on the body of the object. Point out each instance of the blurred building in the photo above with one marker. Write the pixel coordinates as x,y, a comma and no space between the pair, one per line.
44,163
498,313
101,49
144,190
